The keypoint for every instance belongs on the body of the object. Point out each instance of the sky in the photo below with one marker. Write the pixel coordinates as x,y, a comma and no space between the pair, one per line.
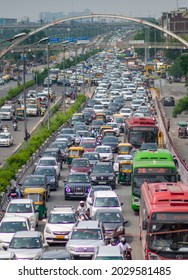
135,8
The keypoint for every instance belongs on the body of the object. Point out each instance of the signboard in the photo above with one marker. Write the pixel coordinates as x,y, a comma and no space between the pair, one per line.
170,217
136,42
69,39
55,40
154,170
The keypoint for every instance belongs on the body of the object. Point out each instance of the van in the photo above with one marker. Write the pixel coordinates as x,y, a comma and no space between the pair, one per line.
105,199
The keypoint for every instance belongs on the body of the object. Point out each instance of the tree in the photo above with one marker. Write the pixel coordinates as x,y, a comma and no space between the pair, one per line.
176,69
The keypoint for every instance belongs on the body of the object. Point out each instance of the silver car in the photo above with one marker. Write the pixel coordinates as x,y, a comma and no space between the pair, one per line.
27,245
84,238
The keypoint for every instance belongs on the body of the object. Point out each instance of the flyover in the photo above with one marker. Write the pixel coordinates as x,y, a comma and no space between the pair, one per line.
110,16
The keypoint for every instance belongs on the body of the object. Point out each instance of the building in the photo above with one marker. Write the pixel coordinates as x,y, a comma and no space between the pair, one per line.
8,21
176,21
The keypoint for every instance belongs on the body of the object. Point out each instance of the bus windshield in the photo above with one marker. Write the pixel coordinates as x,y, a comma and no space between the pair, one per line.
150,178
137,138
169,237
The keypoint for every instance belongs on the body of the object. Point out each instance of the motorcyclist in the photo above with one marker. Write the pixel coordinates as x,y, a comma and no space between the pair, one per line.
15,123
82,208
126,248
113,242
14,193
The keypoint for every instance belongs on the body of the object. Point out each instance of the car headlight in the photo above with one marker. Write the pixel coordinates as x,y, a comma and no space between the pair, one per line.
93,177
110,178
70,248
47,230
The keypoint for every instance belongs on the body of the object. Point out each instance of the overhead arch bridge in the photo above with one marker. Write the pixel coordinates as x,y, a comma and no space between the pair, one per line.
109,16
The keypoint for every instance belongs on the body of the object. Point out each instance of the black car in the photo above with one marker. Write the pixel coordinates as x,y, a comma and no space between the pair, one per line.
169,101
88,117
111,141
77,185
96,124
103,173
51,175
92,102
63,147
59,254
35,181
113,221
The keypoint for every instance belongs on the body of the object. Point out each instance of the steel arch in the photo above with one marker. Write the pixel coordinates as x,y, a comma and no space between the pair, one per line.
137,20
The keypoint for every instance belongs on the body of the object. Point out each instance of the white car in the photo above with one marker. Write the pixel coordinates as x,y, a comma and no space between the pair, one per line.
98,108
105,199
6,112
59,224
6,139
23,207
128,96
118,159
11,224
32,110
126,112
49,161
105,153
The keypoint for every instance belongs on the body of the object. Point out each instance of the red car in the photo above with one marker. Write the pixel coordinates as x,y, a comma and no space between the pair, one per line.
89,146
80,165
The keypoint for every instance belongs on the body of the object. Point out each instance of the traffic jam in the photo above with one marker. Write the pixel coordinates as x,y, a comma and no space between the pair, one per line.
109,162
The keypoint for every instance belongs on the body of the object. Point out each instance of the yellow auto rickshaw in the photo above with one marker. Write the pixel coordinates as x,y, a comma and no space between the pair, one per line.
125,172
38,195
20,114
104,127
101,116
74,152
124,148
109,132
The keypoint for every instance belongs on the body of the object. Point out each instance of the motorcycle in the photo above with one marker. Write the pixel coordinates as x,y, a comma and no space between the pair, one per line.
82,216
128,255
15,126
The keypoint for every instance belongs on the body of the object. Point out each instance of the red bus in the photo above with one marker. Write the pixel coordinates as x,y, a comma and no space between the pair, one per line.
140,130
163,221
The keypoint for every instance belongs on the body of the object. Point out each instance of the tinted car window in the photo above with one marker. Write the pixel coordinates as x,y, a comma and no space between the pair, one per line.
103,169
73,178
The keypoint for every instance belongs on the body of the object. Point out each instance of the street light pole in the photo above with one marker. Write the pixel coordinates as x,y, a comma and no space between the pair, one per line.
64,97
24,93
48,69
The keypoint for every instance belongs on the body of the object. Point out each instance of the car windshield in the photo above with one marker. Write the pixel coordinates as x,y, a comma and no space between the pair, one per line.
12,227
80,163
91,156
47,162
34,181
45,171
62,218
103,150
108,217
4,136
103,169
25,243
88,145
81,178
109,139
19,208
94,234
106,202
60,145
49,154
97,122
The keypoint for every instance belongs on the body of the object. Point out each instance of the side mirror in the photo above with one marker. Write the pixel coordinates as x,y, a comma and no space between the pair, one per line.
125,222
122,203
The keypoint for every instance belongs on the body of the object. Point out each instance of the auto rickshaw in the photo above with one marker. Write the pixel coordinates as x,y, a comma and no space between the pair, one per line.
124,148
182,129
38,195
101,116
74,152
125,172
109,132
104,127
19,114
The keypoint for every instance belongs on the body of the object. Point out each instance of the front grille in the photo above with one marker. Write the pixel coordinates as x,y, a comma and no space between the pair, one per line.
61,232
86,249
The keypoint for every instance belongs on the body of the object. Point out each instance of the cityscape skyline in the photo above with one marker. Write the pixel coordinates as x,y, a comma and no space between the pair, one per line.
135,8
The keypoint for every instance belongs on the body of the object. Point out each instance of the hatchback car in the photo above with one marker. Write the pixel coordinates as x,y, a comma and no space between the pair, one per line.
94,188
59,224
51,175
111,141
6,139
23,207
49,161
105,199
80,165
11,224
168,101
93,157
103,173
84,238
77,185
105,153
27,245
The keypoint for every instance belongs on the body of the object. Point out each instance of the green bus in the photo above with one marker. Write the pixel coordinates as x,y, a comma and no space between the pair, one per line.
152,167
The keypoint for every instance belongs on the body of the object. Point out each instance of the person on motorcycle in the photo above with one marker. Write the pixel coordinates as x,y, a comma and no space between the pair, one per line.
126,248
14,193
82,209
15,123
113,242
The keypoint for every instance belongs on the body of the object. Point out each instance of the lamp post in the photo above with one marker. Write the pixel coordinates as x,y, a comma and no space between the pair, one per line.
46,39
27,135
64,97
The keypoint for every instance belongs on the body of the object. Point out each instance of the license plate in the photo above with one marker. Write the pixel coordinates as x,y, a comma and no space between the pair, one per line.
84,255
60,236
101,182
78,190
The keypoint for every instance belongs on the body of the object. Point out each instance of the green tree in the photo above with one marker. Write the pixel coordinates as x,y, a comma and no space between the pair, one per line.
176,69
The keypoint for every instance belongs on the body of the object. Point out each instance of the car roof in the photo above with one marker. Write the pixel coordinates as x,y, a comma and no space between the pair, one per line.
13,218
105,194
62,209
21,200
108,251
56,254
87,224
29,233
101,210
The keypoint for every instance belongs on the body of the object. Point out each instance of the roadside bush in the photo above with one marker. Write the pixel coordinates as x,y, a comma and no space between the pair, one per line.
181,106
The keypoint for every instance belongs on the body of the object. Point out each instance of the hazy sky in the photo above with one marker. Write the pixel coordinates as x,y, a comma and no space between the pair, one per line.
31,8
